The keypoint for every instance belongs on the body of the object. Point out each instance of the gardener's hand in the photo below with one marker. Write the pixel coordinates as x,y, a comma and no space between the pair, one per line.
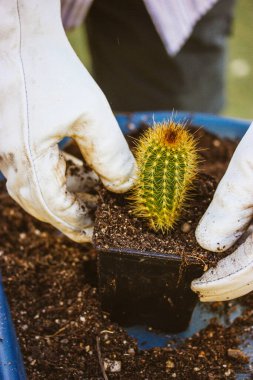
47,94
227,218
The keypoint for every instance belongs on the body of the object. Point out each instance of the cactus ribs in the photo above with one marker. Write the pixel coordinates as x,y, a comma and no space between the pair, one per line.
167,161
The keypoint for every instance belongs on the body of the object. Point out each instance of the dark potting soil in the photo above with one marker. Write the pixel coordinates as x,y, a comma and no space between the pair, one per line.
51,285
117,226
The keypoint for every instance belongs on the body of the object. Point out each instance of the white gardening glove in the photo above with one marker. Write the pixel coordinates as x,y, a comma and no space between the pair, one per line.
46,94
226,219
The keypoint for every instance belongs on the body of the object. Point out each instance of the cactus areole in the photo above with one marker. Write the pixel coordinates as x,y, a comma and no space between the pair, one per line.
167,160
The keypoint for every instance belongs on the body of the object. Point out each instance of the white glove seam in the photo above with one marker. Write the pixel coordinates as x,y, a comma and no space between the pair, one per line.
27,144
222,278
210,297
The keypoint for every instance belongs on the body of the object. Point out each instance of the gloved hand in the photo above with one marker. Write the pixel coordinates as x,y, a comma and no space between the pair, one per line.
226,219
47,94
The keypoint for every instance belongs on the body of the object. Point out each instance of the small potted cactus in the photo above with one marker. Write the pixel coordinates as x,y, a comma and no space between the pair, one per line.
167,160
145,267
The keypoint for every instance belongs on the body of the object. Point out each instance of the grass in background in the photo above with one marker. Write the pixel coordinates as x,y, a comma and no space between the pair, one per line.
240,61
240,65
79,42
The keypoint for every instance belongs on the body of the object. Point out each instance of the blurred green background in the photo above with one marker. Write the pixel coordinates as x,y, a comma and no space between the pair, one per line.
240,61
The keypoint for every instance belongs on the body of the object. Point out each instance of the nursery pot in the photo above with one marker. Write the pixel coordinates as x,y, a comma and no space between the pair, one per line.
147,288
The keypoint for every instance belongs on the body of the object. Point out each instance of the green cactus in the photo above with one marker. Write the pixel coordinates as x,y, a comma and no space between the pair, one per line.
167,159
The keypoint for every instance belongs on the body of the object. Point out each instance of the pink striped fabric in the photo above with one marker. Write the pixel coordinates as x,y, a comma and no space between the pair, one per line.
73,12
174,20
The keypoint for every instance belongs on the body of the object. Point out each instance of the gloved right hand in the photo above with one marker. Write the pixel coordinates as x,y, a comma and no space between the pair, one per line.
47,94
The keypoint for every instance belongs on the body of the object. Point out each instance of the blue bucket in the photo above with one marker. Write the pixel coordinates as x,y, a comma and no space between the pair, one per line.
11,363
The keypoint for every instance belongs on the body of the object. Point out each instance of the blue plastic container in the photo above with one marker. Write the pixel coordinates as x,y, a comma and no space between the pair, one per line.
11,364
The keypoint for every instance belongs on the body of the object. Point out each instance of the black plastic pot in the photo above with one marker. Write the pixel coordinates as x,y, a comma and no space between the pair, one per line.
147,288
142,287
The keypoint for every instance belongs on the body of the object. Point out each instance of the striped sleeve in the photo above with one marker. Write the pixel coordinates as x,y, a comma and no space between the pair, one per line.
174,20
73,12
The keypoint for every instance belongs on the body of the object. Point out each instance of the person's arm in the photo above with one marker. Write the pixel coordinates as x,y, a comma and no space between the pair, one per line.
47,94
227,218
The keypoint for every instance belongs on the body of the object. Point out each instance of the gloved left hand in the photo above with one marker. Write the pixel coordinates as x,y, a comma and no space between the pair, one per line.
228,218
47,94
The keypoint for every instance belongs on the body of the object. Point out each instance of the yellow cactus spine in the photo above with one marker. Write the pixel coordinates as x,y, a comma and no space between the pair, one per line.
167,159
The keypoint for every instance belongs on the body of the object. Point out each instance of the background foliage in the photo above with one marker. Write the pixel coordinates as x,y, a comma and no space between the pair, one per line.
239,74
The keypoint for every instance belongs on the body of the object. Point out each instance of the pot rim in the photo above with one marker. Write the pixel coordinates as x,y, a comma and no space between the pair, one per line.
149,254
